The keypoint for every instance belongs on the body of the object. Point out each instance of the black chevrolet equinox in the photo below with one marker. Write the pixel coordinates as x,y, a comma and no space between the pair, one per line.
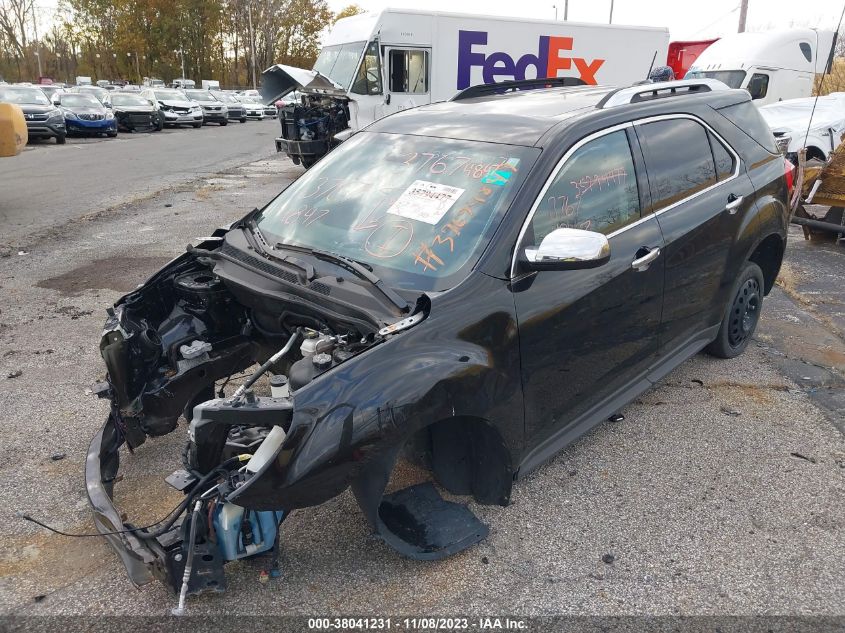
471,285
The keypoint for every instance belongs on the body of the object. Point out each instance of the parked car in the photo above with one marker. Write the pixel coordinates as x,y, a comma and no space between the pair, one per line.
175,107
252,108
213,110
814,123
43,119
51,90
85,114
134,113
234,108
103,95
478,282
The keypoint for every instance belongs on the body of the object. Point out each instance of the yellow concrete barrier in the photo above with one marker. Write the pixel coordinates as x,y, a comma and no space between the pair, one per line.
13,135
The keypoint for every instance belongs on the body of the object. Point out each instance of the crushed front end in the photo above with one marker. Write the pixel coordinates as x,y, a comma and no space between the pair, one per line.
209,314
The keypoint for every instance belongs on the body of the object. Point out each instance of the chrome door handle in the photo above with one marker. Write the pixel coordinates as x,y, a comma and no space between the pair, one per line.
641,263
733,204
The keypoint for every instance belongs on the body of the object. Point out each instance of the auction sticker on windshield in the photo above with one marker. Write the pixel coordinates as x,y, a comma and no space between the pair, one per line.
425,201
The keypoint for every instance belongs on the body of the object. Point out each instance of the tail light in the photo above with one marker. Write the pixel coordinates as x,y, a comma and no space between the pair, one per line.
789,172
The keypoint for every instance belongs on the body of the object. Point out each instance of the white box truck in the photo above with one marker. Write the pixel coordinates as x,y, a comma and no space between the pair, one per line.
385,61
772,65
210,84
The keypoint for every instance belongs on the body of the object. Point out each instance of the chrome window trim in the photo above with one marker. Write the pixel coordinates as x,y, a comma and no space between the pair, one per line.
655,212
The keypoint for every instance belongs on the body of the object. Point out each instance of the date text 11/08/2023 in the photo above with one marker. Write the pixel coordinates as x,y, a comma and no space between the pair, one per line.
418,624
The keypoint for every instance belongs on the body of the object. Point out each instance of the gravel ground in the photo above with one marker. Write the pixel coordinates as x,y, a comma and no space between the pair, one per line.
722,491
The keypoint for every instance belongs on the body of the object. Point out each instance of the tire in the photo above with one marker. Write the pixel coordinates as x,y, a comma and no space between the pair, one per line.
243,119
61,140
741,315
111,134
222,123
197,125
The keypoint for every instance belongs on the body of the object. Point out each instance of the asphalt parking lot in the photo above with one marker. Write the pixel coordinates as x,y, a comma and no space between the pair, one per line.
721,493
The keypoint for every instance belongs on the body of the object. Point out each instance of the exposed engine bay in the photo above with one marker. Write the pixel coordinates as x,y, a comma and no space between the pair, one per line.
309,126
312,122
211,313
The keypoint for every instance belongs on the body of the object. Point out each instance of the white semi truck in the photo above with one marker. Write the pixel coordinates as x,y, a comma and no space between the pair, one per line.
773,65
377,63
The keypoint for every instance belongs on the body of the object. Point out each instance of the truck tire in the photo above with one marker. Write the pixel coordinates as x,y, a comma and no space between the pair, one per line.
741,315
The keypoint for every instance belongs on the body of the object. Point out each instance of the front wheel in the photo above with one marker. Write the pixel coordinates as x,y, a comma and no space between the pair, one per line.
742,315
243,119
111,134
61,139
222,123
197,125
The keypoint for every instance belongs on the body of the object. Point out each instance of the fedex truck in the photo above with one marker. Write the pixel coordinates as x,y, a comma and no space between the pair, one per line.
381,62
772,65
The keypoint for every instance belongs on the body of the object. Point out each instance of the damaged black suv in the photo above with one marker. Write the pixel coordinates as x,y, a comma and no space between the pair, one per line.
474,284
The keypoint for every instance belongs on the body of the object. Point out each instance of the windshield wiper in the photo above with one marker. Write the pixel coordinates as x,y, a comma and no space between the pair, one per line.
359,269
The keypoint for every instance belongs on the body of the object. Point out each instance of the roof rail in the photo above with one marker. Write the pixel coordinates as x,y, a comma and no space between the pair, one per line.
482,90
659,90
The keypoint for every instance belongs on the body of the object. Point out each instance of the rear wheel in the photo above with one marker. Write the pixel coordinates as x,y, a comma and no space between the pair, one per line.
743,314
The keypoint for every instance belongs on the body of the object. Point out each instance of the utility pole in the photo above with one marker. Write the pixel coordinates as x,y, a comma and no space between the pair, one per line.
554,6
565,10
137,68
610,21
37,42
251,42
743,13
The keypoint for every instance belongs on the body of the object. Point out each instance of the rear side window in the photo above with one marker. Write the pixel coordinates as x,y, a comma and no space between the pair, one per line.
595,190
678,159
724,159
747,118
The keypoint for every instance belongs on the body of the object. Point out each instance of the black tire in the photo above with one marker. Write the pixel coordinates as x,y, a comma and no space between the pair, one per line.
222,123
741,315
61,140
197,125
243,119
111,134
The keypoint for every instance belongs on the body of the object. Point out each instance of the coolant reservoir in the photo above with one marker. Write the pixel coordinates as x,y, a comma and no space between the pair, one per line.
13,134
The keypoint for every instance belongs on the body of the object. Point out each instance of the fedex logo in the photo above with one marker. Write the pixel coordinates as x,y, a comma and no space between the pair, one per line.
550,59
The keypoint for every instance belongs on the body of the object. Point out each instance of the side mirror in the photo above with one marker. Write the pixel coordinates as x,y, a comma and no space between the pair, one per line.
387,99
56,100
569,249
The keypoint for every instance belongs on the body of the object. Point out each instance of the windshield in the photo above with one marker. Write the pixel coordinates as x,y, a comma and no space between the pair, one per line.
339,62
128,100
75,100
170,95
200,95
732,78
418,210
225,98
23,95
100,93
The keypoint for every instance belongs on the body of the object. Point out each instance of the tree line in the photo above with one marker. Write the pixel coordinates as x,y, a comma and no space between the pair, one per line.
126,40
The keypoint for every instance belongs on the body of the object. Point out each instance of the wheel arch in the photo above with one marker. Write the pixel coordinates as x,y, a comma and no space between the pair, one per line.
768,255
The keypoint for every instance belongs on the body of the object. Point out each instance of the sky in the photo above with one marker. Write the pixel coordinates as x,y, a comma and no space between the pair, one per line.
684,19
